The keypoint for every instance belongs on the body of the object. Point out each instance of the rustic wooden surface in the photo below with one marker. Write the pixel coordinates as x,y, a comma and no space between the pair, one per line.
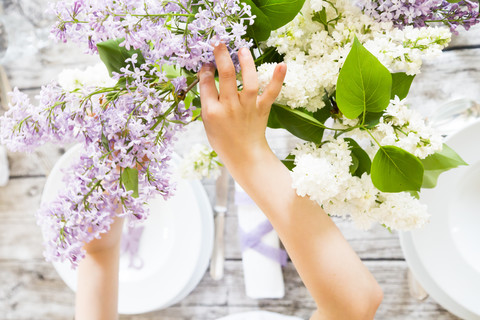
31,289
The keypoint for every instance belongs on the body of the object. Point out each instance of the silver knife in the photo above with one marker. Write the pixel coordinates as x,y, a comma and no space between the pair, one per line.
220,208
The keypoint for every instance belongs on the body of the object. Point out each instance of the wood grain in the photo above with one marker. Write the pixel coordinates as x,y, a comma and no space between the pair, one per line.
34,285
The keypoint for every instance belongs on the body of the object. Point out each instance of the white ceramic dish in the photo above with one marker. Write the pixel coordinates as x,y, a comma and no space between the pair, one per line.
421,274
175,247
444,255
208,228
258,315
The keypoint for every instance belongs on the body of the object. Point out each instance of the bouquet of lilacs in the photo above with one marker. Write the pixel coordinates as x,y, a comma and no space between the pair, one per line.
349,71
351,66
126,122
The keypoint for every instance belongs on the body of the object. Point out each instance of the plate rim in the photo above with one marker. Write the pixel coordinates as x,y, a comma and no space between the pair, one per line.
422,276
415,263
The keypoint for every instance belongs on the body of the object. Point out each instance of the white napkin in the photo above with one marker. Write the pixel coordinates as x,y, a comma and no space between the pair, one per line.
263,275
4,172
258,315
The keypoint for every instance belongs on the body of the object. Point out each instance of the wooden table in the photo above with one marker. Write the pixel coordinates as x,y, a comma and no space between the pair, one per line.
31,289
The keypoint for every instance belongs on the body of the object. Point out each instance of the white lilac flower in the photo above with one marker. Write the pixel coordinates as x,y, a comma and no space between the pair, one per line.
200,162
322,173
314,53
401,211
93,76
406,129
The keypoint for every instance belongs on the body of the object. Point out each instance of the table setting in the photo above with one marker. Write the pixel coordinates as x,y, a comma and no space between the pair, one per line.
205,250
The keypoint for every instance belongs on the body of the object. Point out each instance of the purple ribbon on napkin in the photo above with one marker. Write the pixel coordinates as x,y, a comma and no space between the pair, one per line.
253,240
130,245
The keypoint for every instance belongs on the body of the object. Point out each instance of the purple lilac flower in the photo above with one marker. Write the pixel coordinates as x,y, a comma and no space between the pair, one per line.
131,125
420,13
179,33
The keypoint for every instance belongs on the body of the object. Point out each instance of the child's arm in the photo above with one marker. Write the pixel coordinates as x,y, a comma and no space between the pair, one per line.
235,122
97,290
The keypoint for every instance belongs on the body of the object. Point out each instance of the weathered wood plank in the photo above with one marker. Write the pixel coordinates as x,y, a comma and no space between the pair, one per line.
45,65
453,75
32,290
38,70
466,38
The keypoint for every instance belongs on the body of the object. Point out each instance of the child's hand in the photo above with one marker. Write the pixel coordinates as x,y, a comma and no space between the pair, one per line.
235,121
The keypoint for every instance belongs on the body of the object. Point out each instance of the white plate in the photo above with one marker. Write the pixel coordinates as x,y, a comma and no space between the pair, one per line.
175,247
427,282
448,247
258,315
204,259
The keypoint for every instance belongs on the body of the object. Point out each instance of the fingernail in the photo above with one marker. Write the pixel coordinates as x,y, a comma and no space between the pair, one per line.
208,66
243,52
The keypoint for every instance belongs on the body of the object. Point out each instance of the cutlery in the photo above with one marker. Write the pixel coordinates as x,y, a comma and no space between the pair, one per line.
414,288
220,208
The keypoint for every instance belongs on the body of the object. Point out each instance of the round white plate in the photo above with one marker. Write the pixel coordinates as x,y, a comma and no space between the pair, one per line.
175,247
204,259
258,315
447,248
422,276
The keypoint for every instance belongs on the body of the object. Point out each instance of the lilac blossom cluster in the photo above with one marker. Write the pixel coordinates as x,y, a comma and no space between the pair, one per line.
134,130
128,127
420,13
167,32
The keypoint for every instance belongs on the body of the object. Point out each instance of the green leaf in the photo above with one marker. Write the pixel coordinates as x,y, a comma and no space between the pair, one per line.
444,159
105,143
364,162
129,179
372,119
321,16
189,99
354,166
171,72
386,227
197,112
298,122
430,178
269,55
364,84
114,56
396,170
415,194
289,162
439,162
261,29
401,83
324,113
279,12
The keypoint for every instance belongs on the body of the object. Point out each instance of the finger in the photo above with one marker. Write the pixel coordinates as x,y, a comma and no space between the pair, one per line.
273,89
208,90
249,74
226,72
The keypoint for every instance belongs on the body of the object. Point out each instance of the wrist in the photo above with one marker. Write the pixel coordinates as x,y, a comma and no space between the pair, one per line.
248,160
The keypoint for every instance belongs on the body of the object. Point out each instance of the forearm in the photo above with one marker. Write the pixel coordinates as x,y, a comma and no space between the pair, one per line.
337,279
235,123
97,290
